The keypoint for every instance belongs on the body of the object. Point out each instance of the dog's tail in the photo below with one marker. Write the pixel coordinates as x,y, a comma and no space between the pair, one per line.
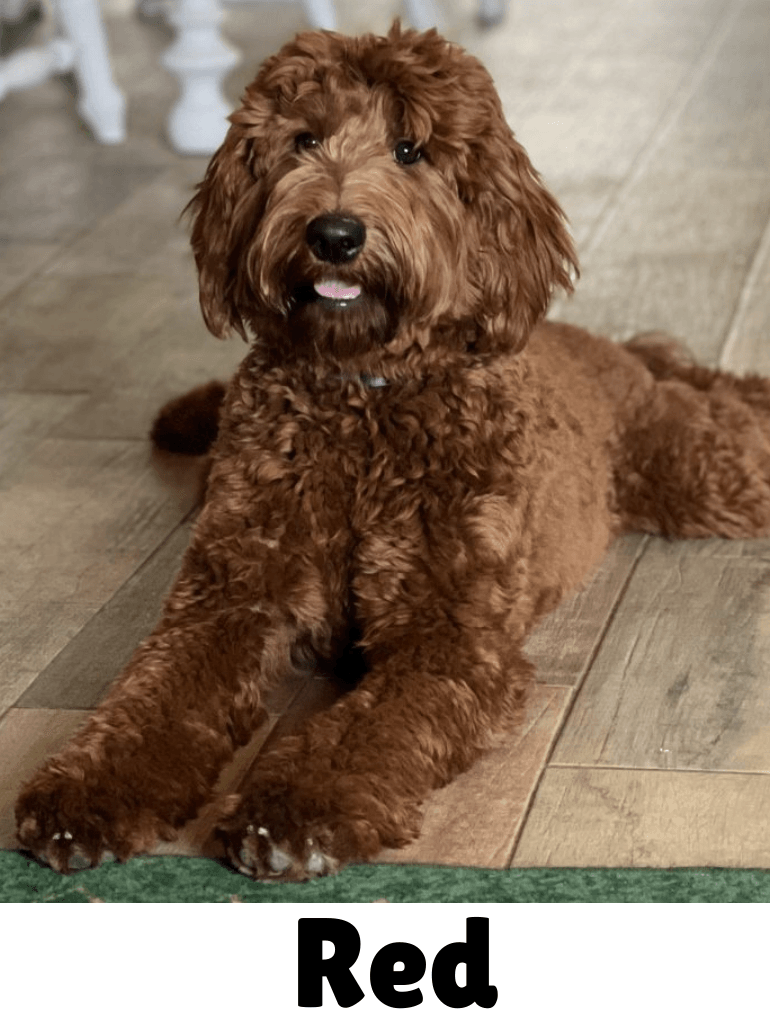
188,425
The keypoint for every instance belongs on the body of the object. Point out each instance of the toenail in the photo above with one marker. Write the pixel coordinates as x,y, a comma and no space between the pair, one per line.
246,857
315,863
278,860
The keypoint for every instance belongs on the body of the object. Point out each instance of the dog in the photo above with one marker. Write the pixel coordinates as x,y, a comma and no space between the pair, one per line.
411,462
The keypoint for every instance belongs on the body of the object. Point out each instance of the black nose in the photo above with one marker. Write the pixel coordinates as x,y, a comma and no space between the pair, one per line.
334,238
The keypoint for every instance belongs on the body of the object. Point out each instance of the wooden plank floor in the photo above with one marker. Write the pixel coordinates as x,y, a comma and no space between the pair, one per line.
648,739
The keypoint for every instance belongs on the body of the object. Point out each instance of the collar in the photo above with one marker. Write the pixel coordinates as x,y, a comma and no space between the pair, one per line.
373,382
367,379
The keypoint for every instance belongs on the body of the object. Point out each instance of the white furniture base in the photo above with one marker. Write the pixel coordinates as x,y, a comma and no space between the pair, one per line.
200,59
81,47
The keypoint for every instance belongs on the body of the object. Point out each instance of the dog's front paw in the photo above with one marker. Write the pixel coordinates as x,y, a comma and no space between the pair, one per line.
62,850
254,852
274,847
71,823
301,830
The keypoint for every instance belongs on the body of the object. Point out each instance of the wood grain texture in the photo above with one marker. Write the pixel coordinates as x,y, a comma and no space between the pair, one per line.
75,333
681,678
623,74
21,262
79,676
726,123
667,213
77,518
128,341
31,634
143,235
691,296
564,644
26,419
624,92
746,347
592,817
52,201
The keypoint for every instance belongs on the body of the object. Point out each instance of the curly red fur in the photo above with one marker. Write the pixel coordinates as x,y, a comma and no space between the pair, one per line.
420,472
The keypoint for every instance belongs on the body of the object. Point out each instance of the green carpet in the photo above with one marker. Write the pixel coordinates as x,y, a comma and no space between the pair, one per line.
186,880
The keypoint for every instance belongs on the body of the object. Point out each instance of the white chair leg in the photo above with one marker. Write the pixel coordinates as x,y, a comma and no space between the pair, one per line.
320,13
424,14
200,59
15,10
101,104
154,8
492,12
34,64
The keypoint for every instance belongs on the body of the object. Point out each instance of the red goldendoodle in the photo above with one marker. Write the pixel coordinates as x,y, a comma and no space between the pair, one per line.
408,456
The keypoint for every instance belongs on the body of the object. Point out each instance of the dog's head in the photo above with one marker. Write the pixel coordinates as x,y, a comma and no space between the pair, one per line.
370,183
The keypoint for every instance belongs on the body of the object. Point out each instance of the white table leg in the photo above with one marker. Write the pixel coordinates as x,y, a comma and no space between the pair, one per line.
101,104
200,59
320,13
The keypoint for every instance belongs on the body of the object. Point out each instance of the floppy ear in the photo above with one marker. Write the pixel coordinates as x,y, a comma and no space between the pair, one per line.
525,249
215,229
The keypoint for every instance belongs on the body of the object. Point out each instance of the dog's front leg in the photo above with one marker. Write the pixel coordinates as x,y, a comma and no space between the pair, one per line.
352,781
149,756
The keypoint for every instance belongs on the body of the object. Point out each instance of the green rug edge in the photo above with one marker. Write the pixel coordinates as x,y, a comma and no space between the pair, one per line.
193,880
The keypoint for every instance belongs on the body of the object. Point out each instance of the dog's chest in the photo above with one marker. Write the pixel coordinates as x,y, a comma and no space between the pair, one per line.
375,463
377,443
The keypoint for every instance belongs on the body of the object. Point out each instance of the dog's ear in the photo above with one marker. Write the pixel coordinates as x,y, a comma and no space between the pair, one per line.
215,230
525,249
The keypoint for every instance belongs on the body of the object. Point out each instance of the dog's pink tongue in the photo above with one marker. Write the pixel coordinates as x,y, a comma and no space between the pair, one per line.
337,290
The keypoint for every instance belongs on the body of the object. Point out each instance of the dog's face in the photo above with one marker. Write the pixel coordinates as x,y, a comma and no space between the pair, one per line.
371,183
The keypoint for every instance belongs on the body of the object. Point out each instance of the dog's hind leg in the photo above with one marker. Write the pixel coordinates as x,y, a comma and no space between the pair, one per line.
667,359
694,461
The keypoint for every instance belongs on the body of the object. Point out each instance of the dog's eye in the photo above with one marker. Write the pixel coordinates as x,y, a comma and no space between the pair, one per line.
406,152
305,141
